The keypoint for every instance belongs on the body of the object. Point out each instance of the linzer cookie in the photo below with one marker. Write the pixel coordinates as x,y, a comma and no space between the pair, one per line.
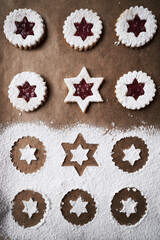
83,89
27,91
128,206
135,90
136,26
24,28
82,29
29,208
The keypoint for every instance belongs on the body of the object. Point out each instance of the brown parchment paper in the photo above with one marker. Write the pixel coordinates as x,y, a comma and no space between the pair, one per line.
55,60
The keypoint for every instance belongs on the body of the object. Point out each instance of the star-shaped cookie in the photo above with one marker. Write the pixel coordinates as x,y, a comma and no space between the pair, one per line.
79,154
83,89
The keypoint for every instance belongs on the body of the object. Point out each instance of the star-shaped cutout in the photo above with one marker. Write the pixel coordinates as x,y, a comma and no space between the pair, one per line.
28,154
30,207
135,89
27,91
79,154
24,27
136,26
132,154
83,89
83,29
129,207
78,206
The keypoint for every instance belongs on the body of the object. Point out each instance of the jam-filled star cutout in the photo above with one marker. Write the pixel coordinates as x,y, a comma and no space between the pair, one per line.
136,25
24,27
71,151
135,89
27,91
83,89
83,29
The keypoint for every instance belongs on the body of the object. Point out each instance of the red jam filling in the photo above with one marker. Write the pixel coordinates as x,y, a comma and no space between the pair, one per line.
135,89
136,26
83,89
83,29
26,91
24,28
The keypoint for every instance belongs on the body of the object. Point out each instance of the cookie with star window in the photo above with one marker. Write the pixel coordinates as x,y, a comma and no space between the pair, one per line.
136,26
135,90
82,29
27,91
24,28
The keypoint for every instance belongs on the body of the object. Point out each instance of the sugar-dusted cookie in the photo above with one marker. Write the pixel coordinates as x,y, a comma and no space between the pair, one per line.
83,89
27,91
135,90
82,29
136,26
24,28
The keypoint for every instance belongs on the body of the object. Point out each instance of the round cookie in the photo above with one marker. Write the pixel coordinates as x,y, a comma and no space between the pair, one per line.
27,91
136,26
82,29
135,90
29,208
24,28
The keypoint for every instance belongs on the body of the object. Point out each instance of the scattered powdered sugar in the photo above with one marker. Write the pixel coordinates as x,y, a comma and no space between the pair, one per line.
116,43
102,182
132,154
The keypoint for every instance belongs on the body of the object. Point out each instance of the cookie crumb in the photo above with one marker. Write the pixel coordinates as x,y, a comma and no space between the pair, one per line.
116,43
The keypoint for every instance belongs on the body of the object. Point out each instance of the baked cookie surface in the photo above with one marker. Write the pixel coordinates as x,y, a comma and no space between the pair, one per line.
82,29
24,28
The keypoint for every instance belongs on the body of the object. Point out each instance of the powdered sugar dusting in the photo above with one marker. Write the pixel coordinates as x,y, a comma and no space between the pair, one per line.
69,29
18,15
128,38
33,79
102,182
129,101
